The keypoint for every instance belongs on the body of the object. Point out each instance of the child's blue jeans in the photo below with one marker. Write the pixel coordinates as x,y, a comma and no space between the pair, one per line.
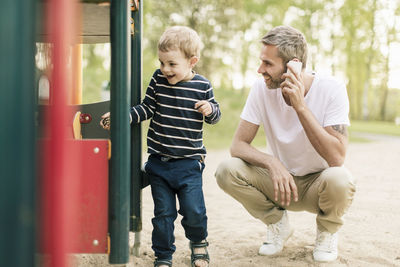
170,178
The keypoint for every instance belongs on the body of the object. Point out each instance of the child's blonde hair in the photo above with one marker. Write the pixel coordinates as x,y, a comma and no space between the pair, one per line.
183,38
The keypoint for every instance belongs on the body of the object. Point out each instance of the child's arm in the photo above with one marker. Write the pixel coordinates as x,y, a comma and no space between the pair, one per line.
105,121
137,114
212,113
146,109
141,112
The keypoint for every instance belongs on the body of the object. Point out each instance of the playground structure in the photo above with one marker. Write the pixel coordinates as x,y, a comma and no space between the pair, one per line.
68,186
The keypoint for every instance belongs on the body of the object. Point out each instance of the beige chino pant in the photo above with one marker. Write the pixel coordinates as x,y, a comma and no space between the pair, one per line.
328,193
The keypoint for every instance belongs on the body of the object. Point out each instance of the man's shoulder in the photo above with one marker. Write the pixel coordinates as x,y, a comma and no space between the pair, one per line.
328,81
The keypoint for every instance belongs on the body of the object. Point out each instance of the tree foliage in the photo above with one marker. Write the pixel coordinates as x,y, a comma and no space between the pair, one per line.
350,38
96,72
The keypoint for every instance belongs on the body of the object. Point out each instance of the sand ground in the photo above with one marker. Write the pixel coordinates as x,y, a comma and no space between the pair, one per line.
369,237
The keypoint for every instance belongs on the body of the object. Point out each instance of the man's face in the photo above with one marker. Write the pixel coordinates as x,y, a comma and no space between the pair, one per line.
271,67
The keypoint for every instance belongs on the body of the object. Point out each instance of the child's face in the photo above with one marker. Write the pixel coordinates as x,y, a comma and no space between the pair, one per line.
175,66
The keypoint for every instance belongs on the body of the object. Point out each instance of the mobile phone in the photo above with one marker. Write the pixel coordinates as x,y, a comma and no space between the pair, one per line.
296,65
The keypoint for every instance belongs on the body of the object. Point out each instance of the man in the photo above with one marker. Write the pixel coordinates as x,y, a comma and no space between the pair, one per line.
305,117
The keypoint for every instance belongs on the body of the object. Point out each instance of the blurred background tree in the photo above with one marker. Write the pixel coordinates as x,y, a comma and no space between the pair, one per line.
356,40
352,39
96,68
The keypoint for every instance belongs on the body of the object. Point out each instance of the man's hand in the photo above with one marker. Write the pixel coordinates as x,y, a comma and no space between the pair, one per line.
283,183
293,88
204,107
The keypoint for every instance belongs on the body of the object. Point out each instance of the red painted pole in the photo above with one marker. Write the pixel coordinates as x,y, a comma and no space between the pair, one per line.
60,162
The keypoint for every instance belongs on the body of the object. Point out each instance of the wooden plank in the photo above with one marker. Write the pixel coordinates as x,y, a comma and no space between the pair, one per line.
95,23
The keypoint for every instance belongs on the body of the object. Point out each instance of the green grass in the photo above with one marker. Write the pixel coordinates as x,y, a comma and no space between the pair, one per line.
375,127
354,138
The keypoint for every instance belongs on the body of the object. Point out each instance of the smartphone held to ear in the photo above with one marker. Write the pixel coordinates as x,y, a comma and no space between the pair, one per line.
296,66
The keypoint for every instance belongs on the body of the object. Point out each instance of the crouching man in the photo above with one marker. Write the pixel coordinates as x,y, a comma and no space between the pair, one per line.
305,118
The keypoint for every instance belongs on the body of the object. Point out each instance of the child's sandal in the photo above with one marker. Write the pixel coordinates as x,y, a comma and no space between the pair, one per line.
158,262
199,256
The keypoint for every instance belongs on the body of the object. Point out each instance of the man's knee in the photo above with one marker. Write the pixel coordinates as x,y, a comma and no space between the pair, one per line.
338,179
226,172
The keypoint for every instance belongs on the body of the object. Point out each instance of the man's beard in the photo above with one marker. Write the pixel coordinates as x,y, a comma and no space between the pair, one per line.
271,82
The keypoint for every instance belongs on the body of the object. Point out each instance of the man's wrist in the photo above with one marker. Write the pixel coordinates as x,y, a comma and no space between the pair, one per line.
269,161
301,109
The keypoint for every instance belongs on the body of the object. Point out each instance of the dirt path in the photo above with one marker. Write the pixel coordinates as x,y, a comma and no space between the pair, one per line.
370,236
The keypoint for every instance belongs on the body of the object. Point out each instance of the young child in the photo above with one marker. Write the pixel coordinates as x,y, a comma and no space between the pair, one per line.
177,101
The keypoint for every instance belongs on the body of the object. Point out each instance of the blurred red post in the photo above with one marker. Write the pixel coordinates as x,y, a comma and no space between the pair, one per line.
60,161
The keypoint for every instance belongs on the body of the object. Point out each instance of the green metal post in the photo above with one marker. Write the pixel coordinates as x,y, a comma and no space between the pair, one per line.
136,136
17,132
120,132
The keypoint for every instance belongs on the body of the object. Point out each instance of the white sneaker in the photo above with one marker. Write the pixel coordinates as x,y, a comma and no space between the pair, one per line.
277,234
326,246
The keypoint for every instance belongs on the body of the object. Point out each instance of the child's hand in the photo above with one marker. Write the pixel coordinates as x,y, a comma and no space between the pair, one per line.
105,121
203,107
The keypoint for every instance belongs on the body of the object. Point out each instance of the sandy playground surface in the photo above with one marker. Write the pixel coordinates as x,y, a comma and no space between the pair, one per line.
369,237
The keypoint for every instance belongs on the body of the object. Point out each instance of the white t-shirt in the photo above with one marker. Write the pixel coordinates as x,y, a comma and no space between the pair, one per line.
327,99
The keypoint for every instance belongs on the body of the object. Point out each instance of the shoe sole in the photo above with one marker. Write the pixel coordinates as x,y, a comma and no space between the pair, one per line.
325,260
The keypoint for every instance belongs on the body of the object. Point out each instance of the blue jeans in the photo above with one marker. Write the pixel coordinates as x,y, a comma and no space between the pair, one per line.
168,179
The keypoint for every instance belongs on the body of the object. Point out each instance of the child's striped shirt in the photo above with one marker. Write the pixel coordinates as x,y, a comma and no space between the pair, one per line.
176,127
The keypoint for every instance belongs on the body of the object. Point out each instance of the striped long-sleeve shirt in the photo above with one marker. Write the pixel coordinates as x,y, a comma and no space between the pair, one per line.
176,127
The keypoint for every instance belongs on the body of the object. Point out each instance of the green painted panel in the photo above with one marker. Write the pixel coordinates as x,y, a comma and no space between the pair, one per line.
17,132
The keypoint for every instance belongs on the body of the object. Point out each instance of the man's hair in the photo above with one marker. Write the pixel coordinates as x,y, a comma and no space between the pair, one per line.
183,38
290,42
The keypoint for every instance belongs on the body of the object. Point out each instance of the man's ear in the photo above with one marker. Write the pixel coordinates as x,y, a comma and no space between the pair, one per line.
193,61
